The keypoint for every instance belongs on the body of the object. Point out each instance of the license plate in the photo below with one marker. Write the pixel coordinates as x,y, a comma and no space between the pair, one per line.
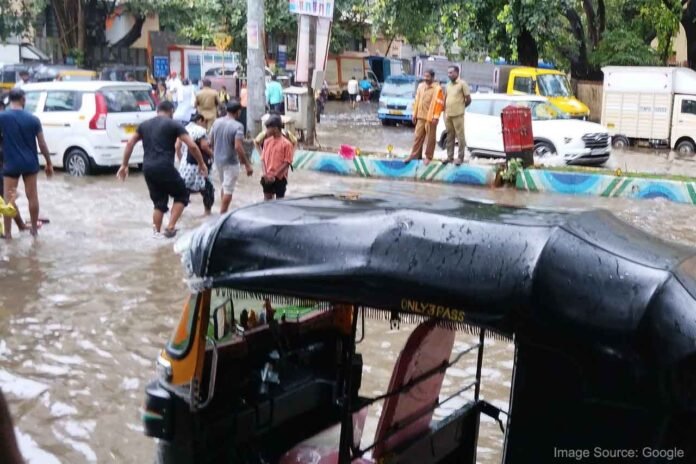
599,151
396,112
129,129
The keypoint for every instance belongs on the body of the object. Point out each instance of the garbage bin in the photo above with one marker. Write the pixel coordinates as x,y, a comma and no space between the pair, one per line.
518,138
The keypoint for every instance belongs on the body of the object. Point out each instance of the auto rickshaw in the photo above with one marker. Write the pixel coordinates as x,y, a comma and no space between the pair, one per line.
9,75
602,317
49,73
118,72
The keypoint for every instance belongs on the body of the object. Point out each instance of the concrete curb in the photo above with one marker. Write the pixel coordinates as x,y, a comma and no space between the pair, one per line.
603,185
368,166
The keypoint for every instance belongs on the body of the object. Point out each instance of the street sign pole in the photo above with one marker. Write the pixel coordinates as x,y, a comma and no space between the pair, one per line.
312,109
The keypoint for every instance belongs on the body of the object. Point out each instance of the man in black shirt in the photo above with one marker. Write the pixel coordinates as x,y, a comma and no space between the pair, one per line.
159,136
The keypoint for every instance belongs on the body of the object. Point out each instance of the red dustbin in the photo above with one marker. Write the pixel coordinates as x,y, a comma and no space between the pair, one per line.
518,139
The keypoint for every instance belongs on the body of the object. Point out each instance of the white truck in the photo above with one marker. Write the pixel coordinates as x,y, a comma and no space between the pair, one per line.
650,105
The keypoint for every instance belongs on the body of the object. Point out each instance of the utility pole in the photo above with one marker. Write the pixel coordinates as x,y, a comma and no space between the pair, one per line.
256,65
312,108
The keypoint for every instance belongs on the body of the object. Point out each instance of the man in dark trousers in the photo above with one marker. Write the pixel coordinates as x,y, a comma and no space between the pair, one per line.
21,131
159,136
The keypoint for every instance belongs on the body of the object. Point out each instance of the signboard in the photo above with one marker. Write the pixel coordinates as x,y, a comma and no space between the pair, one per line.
161,67
282,60
253,35
321,8
303,44
323,37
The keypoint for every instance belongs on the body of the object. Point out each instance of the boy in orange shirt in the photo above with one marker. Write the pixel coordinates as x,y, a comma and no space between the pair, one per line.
276,160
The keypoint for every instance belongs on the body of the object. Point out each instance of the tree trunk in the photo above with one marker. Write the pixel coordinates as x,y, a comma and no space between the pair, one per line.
527,49
687,21
579,64
81,35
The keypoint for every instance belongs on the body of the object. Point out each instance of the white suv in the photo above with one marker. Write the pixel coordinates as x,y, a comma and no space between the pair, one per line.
555,133
87,124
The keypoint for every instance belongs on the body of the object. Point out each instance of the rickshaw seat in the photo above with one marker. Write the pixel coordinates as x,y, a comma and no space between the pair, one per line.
410,411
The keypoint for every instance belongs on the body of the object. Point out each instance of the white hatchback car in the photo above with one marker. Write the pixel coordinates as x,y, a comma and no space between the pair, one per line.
87,124
555,133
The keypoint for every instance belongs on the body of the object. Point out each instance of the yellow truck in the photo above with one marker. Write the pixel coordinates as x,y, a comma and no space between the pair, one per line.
521,80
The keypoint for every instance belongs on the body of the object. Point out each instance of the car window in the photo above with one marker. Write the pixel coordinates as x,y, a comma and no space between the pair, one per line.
480,107
524,84
128,100
62,101
31,101
688,107
498,106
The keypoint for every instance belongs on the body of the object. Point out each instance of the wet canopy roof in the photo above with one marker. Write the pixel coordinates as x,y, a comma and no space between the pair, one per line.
507,269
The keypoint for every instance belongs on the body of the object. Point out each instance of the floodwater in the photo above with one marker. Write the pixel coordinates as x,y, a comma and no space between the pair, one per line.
85,309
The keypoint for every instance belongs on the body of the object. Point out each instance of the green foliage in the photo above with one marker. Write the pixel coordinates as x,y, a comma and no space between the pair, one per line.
623,48
510,172
17,17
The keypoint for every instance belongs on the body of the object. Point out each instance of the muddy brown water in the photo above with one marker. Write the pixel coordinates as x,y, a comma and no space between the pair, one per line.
85,309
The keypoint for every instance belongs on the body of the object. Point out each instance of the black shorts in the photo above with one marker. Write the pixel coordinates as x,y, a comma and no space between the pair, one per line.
163,183
353,96
276,187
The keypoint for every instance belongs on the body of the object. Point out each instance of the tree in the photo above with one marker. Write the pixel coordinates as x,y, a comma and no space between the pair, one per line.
17,17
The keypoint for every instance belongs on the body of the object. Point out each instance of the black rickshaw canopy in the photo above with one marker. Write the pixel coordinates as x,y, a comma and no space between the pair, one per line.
510,270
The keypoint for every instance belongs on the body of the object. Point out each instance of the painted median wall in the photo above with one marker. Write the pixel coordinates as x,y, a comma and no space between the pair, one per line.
603,185
368,166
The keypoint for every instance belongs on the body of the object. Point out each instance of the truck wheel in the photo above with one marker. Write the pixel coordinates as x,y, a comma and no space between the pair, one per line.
543,150
77,163
686,147
620,142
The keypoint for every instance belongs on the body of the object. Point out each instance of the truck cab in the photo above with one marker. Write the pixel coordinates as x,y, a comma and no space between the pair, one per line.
548,83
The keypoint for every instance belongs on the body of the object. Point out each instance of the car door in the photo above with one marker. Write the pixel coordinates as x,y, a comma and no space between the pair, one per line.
58,116
684,121
478,125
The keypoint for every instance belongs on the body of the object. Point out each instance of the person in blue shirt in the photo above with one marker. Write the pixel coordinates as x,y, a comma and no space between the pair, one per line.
21,131
274,94
365,89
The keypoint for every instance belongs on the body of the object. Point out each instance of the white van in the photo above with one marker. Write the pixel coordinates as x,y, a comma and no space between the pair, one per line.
87,124
650,105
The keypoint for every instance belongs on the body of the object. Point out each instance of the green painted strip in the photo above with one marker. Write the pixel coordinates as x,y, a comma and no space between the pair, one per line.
356,163
427,171
621,189
692,192
364,165
438,171
531,186
304,160
612,185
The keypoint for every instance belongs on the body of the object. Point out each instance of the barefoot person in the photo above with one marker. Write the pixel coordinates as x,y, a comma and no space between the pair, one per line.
21,131
159,136
276,160
427,108
226,138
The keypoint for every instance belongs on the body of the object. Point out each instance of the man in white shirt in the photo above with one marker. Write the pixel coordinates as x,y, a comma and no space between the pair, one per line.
174,86
23,79
353,89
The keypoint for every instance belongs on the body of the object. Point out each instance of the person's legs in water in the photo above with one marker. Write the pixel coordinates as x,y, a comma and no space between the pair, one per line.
9,194
228,178
9,451
208,194
175,187
159,198
32,192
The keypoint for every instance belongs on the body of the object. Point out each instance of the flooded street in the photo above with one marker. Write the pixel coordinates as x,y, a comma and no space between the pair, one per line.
85,309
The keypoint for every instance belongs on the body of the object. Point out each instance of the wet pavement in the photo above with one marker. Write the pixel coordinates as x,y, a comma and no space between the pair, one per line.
371,136
85,309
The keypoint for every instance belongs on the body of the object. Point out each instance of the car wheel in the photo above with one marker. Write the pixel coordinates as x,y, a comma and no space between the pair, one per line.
620,142
543,150
686,147
77,163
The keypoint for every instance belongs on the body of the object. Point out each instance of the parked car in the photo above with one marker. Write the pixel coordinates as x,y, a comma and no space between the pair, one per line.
555,132
396,99
9,75
117,72
87,124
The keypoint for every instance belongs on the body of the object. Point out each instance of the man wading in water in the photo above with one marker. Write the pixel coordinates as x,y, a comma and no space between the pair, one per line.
159,136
